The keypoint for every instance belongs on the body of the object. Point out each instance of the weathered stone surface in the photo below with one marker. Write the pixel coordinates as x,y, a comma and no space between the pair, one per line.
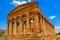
32,25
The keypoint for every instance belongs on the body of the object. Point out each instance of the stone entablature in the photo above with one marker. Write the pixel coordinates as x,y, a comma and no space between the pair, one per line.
27,21
25,7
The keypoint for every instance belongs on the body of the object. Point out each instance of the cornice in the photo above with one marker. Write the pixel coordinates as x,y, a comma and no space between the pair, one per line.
22,7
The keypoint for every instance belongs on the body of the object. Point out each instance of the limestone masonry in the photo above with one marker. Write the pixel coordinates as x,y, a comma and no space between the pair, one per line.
26,22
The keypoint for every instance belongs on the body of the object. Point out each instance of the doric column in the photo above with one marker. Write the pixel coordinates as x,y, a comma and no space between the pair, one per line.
20,27
15,27
10,27
27,23
41,25
7,29
24,29
44,29
32,27
40,22
36,23
44,26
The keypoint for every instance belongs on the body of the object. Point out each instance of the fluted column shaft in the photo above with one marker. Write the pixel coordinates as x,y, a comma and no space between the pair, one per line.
32,27
20,27
27,24
24,29
40,22
36,23
10,27
44,26
15,27
7,29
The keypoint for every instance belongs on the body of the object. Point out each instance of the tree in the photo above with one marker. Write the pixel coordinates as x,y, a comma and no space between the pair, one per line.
58,33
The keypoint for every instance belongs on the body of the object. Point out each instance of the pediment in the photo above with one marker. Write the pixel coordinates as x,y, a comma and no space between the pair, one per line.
23,6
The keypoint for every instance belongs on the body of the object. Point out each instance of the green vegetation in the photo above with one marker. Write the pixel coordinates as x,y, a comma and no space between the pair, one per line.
2,32
58,36
58,33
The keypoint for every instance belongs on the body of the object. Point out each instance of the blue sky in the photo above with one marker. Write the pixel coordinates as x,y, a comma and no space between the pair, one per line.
50,8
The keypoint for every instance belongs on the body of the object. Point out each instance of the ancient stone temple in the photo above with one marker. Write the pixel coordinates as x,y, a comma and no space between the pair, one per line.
26,22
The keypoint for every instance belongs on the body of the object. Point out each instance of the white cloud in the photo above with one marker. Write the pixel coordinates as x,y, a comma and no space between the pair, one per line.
29,0
52,17
15,2
57,29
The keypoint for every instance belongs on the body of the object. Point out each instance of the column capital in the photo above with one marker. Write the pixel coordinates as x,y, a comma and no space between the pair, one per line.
9,19
27,16
15,20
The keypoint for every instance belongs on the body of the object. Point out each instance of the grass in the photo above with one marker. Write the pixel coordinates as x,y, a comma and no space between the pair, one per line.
1,33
